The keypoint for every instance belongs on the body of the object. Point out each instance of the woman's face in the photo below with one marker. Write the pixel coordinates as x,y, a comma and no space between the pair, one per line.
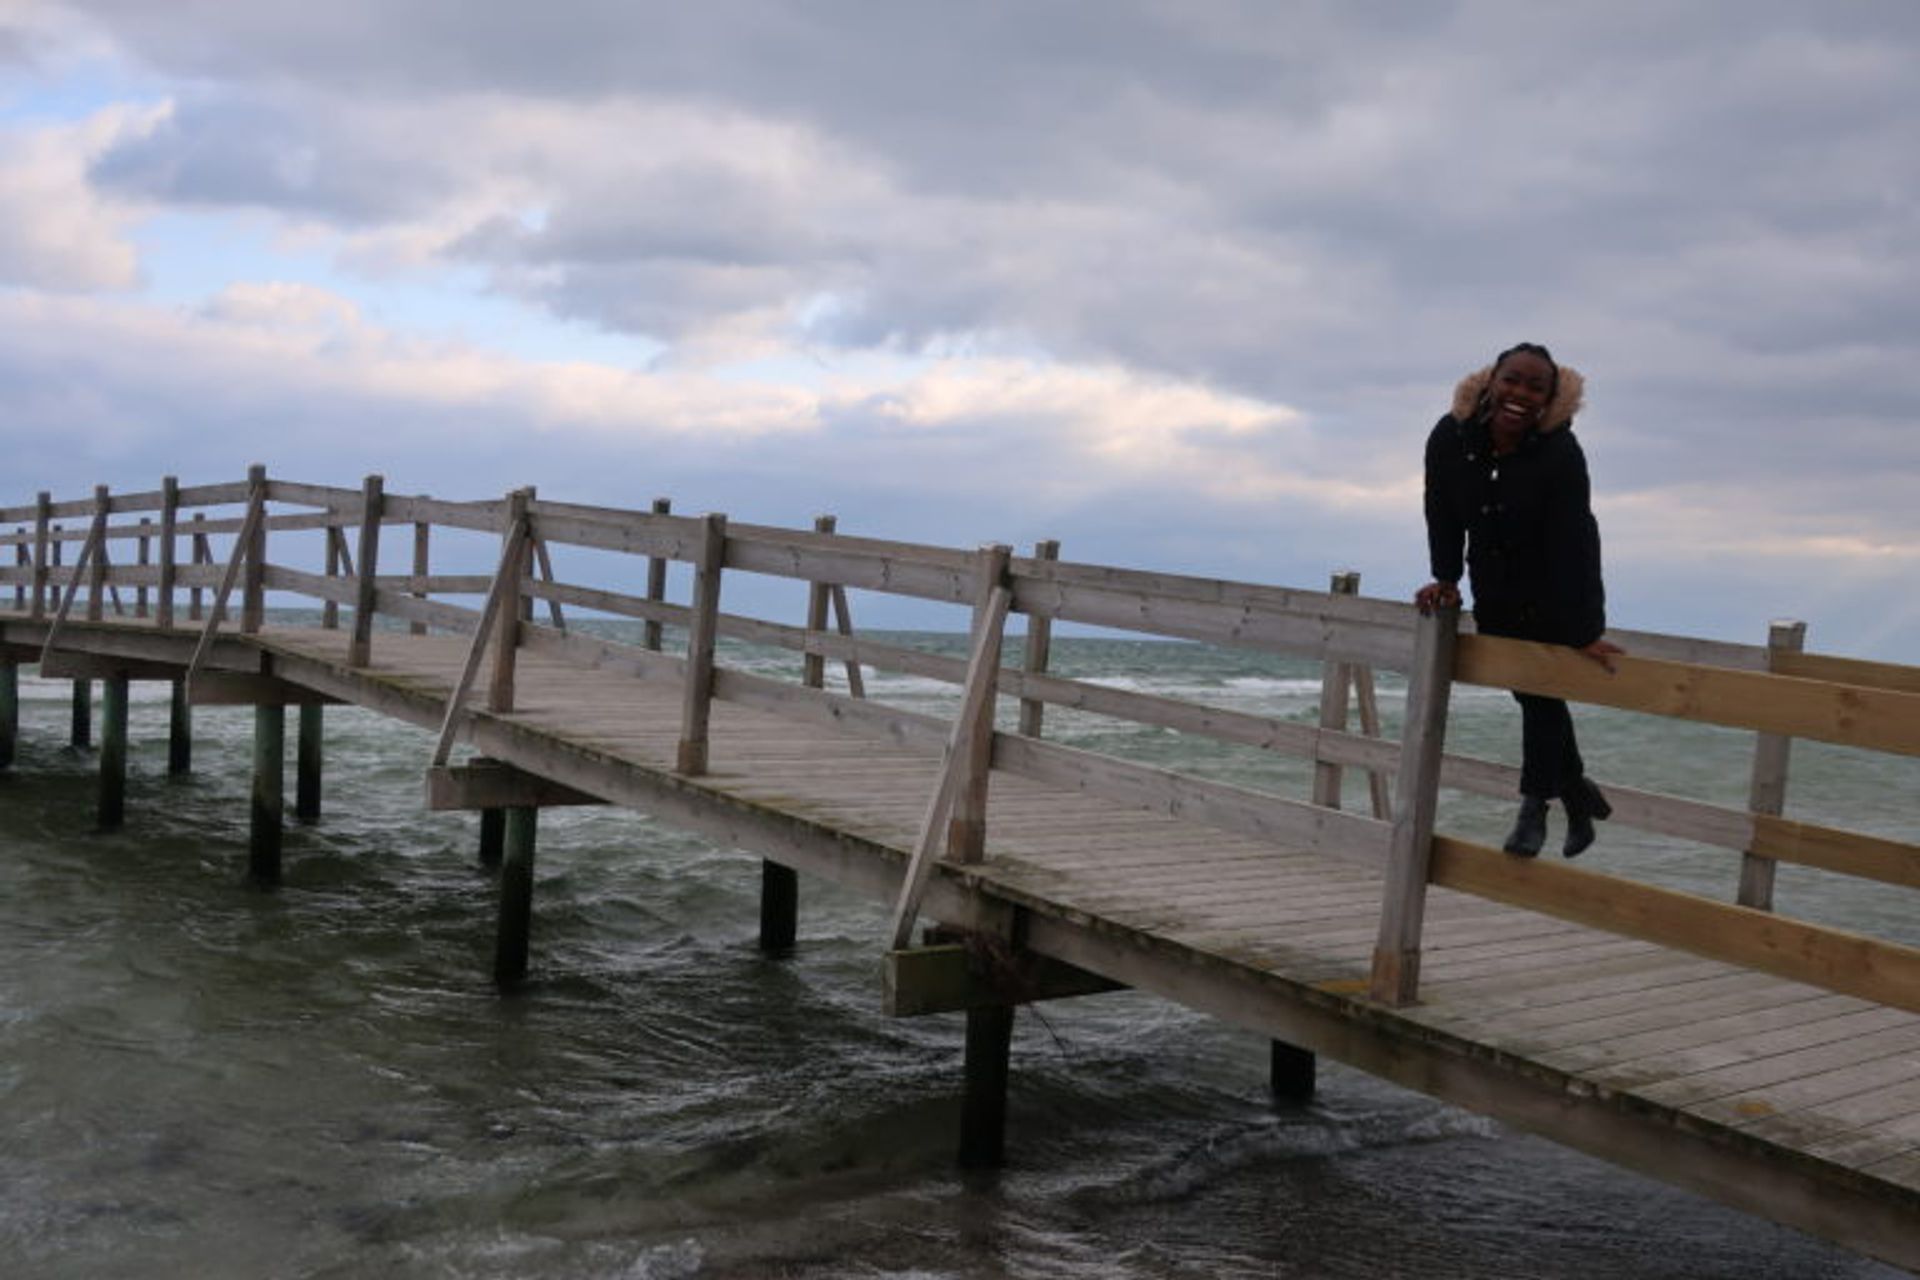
1519,392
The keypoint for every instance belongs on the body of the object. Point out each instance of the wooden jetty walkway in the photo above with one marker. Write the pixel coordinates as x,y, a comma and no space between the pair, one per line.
1770,1063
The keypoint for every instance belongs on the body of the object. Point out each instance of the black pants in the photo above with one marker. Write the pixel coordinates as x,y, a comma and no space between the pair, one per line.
1549,757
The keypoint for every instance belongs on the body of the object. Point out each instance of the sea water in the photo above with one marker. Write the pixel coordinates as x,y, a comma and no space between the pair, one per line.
203,1079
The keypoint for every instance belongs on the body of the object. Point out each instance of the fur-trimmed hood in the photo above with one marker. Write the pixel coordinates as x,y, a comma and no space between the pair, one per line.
1568,395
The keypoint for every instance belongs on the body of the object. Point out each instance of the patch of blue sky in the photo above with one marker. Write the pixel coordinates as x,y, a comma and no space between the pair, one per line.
188,257
42,94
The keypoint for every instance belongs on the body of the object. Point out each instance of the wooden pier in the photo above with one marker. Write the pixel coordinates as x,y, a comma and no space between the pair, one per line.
1768,1062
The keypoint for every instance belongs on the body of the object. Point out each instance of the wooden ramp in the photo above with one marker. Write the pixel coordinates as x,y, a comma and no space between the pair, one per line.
1770,1063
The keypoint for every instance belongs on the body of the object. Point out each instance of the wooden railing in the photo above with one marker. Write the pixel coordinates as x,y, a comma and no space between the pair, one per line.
1776,690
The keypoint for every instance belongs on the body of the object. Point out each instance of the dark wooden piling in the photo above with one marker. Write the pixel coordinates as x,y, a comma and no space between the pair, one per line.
81,732
493,837
113,751
9,712
516,896
1291,1073
779,907
179,731
307,763
983,1106
268,814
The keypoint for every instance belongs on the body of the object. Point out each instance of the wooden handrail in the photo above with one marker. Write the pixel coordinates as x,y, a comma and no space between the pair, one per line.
1877,718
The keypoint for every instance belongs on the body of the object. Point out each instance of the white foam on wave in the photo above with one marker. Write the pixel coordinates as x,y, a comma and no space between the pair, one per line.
1318,1135
676,1261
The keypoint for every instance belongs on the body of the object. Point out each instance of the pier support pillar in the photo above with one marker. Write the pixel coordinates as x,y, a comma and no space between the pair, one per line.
269,793
516,897
82,734
9,712
779,907
113,751
493,837
983,1107
307,757
1290,1074
180,731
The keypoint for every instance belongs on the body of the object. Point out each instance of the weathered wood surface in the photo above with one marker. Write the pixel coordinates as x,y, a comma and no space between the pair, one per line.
1768,1092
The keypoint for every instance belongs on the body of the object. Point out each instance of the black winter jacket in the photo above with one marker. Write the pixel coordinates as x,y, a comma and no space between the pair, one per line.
1532,547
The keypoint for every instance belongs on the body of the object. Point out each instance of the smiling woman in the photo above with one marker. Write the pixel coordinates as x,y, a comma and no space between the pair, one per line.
1506,477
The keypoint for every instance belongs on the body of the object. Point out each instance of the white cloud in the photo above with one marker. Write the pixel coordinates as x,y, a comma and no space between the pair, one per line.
57,231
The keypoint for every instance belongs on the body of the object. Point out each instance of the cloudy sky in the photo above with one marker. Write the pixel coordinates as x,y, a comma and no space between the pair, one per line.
1182,283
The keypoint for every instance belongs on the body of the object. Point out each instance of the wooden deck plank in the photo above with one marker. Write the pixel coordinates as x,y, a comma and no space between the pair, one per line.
1816,1071
1745,1035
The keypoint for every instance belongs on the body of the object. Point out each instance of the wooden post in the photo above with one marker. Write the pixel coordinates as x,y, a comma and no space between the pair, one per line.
1378,787
97,566
180,730
967,823
81,721
983,1106
1335,680
814,665
493,835
422,559
113,751
22,559
330,609
42,567
656,582
523,583
373,502
202,554
1290,1073
1767,788
702,631
843,624
268,811
9,712
1039,649
976,704
779,907
307,756
169,536
506,619
253,589
1416,794
516,896
142,559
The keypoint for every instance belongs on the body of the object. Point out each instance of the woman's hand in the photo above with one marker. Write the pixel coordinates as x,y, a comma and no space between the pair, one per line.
1602,652
1437,595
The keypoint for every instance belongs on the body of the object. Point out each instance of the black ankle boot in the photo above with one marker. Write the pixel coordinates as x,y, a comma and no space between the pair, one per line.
1529,828
1584,804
